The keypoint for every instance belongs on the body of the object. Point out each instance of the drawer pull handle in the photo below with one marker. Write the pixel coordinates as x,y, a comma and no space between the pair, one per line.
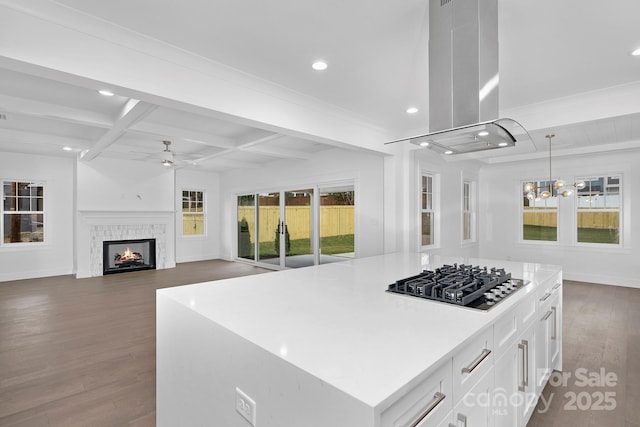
555,317
474,365
524,346
437,398
557,285
549,313
545,297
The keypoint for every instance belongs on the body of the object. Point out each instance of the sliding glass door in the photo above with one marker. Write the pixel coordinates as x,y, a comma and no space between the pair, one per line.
337,228
296,228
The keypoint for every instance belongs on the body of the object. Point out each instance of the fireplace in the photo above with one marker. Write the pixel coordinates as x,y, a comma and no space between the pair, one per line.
120,256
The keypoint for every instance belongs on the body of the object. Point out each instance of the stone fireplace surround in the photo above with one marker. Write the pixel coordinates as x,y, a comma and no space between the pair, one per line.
94,227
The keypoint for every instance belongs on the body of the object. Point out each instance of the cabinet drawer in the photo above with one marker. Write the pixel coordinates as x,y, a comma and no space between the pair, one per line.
472,362
426,405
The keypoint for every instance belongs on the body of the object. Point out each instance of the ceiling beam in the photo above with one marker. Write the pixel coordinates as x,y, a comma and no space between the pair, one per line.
233,164
279,152
176,133
256,137
133,112
28,107
21,137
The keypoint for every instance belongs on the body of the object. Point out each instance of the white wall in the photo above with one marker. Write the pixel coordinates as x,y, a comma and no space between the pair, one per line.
55,256
500,198
329,166
118,185
197,248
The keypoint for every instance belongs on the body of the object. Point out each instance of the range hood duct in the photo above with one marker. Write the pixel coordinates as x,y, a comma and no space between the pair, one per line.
463,80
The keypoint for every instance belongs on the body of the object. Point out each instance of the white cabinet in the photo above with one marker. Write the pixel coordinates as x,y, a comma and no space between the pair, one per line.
426,404
507,378
474,409
549,332
528,394
555,342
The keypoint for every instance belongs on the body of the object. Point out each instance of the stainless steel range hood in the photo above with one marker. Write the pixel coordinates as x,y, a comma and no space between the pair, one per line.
463,80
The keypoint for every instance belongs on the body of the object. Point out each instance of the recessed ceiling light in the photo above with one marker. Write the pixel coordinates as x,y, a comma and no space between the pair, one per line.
483,133
67,148
105,92
502,144
424,144
636,52
319,65
448,152
412,110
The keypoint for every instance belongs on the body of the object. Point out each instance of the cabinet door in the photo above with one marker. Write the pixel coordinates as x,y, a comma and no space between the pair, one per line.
555,332
475,408
506,376
528,397
542,348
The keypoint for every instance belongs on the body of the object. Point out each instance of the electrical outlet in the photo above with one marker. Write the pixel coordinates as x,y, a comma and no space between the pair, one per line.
246,406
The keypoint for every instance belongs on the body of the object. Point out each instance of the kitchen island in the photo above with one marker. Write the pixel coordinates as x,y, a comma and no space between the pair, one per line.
326,346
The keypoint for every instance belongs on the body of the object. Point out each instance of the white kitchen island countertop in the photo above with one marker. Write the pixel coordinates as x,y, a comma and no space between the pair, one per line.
337,323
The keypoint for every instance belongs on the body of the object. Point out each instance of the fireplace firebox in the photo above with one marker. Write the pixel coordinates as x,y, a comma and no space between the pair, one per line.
120,256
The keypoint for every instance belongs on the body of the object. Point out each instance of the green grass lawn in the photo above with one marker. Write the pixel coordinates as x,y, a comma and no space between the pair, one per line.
330,245
585,235
598,235
537,232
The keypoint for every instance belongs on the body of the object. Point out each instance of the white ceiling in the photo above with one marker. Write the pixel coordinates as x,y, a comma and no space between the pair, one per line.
378,66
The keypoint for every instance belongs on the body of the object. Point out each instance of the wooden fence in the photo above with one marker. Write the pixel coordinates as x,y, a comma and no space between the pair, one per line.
590,219
335,220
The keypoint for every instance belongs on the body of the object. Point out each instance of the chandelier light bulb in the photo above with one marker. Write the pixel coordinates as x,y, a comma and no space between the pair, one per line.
528,187
580,185
558,184
545,194
567,193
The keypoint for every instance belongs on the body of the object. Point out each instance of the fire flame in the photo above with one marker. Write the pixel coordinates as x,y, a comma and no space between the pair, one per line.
126,254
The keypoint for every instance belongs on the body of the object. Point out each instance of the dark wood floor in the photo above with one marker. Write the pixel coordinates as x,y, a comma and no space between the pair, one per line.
81,352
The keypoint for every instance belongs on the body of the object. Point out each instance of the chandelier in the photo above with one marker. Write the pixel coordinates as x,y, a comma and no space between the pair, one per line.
553,188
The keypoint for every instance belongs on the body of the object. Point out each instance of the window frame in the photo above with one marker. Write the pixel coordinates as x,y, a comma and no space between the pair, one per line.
620,210
42,212
185,215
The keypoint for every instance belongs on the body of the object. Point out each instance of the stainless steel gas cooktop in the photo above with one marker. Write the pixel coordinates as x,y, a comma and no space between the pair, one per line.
474,287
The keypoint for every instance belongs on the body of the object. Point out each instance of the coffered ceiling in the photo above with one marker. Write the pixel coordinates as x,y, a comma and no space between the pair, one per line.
565,67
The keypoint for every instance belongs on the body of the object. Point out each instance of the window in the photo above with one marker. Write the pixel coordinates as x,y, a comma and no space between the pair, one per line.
427,211
539,216
193,213
468,212
22,212
598,210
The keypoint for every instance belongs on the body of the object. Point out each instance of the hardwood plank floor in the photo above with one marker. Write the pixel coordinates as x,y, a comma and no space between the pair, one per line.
81,352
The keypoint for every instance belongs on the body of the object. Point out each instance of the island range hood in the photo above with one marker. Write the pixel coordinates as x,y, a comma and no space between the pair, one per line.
463,80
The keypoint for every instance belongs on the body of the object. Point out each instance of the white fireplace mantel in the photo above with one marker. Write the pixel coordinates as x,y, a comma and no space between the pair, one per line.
94,227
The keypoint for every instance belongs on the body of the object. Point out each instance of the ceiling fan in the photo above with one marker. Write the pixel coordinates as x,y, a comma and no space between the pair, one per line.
166,156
